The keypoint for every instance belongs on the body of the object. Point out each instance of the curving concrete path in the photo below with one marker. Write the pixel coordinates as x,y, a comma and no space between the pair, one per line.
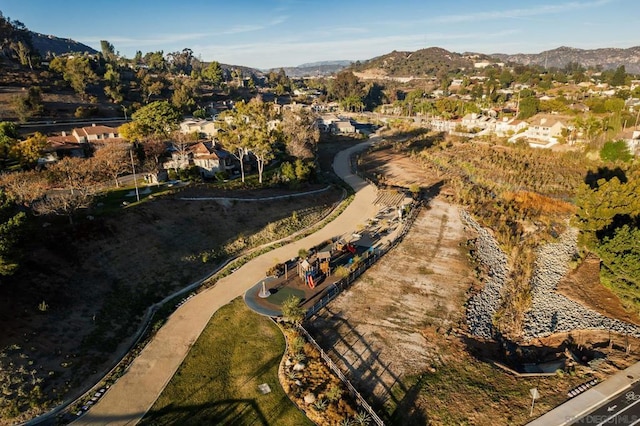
127,401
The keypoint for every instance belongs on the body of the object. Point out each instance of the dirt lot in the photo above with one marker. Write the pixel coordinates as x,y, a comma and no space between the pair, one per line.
399,331
380,320
583,286
98,277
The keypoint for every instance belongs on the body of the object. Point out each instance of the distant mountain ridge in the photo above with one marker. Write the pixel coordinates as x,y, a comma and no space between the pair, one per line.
423,62
316,69
49,45
607,58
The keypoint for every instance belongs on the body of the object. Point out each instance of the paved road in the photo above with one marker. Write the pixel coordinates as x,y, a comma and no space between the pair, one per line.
126,402
622,409
596,405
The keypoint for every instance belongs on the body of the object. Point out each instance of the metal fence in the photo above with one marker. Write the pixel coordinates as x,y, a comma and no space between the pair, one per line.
341,285
372,257
354,392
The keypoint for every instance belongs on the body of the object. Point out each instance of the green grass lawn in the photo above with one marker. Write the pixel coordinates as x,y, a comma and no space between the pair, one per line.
285,292
218,381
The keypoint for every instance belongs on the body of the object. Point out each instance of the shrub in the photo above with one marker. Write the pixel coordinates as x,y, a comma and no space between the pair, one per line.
292,311
334,393
320,404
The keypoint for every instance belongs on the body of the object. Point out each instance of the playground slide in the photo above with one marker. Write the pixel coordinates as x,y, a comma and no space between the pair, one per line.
311,283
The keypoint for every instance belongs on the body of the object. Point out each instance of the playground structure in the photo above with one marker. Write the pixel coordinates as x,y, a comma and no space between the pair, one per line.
326,257
312,277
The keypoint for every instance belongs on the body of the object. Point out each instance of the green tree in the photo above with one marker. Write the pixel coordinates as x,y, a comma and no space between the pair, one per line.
212,74
600,204
113,84
303,170
620,254
616,151
506,78
11,225
287,172
30,150
346,85
108,51
79,74
8,139
151,85
619,77
28,105
528,106
155,60
156,119
184,93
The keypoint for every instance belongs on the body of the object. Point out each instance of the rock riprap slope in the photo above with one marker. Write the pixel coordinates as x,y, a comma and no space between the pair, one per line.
550,311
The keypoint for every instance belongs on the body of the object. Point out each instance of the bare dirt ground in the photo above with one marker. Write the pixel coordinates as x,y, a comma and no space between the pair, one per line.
399,332
583,286
376,328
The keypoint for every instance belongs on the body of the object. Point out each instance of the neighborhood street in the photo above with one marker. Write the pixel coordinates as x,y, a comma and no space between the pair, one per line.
127,401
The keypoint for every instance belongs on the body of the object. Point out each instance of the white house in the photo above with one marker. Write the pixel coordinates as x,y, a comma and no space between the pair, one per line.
94,133
543,132
204,128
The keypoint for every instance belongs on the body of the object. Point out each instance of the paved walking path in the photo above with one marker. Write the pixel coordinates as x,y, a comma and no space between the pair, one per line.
127,401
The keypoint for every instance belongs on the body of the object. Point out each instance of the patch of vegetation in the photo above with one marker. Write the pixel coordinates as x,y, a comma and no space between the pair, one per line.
609,221
466,391
311,384
523,195
218,381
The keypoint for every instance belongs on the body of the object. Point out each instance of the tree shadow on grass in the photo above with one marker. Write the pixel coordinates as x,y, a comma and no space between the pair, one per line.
226,411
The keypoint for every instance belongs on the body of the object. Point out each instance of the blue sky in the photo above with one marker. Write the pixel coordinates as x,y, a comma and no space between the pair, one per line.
274,33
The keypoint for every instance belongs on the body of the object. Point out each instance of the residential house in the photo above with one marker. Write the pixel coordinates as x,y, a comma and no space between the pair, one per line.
79,143
205,128
62,146
632,139
325,122
506,126
545,129
206,156
543,132
343,127
95,133
478,121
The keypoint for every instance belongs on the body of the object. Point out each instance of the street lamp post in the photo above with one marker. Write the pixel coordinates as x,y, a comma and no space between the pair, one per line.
135,181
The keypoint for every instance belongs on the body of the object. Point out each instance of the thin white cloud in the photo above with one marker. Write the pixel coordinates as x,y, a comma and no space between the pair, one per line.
164,39
518,13
295,52
278,20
